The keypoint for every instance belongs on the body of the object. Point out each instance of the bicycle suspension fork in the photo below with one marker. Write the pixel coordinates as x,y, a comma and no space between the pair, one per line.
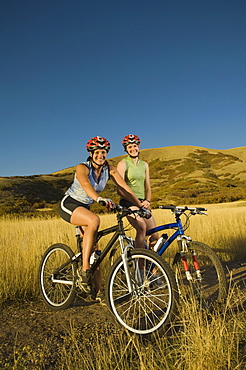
183,240
125,259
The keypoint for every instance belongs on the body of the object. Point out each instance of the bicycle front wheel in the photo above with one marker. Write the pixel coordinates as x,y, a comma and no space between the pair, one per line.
150,304
207,282
57,277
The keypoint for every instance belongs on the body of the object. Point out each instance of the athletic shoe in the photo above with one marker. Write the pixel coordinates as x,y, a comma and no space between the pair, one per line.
84,281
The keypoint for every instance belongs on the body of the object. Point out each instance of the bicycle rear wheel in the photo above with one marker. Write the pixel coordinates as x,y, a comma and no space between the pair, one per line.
208,288
57,277
152,303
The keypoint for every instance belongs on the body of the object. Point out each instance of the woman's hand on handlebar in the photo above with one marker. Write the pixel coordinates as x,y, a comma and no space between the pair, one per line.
143,212
108,203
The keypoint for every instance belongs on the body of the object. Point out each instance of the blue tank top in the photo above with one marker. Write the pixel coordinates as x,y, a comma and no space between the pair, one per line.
77,192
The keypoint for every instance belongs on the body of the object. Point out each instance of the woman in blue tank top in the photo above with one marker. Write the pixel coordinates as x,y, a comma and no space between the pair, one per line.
90,179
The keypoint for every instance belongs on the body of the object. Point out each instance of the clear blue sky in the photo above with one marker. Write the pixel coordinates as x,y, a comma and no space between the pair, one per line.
171,71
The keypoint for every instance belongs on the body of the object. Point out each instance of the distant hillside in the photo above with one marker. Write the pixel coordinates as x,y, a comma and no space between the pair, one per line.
179,175
188,174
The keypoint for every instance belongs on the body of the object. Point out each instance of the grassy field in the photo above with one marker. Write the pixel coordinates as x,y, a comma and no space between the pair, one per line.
205,342
23,241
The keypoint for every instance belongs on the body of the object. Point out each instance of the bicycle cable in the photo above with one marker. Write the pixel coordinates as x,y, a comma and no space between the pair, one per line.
187,221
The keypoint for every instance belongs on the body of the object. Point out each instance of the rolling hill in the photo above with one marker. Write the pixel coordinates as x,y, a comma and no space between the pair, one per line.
179,175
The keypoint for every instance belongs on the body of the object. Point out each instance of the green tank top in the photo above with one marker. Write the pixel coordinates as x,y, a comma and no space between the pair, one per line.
135,176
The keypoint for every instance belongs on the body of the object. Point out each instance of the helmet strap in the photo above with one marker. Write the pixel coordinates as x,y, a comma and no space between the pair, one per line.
132,156
99,165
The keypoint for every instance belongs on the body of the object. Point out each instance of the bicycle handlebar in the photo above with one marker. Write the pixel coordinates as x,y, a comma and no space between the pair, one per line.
180,210
142,212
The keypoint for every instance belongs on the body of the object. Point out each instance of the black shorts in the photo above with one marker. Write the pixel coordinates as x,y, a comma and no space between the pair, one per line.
68,205
127,203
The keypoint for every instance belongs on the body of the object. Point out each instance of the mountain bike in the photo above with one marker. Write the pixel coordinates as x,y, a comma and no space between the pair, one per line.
198,271
140,289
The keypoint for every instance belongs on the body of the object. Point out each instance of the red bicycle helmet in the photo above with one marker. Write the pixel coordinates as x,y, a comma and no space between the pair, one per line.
97,142
130,139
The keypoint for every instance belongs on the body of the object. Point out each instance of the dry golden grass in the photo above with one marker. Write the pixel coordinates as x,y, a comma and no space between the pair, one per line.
23,241
197,342
223,229
200,343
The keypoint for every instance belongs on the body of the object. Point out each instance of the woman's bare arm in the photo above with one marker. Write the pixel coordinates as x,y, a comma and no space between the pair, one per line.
122,188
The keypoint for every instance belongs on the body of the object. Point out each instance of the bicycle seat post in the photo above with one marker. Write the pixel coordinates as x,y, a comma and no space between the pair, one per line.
79,238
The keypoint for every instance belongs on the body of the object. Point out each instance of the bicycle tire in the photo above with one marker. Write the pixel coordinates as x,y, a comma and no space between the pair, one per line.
57,288
148,308
211,288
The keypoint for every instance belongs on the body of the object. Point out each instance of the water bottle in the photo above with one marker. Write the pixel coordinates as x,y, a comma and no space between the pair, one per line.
94,257
160,242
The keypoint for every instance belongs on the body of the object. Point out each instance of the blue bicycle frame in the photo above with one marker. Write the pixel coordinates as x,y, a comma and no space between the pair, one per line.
174,225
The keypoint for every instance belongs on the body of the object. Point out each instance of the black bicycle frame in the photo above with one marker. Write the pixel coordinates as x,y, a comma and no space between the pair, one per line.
118,230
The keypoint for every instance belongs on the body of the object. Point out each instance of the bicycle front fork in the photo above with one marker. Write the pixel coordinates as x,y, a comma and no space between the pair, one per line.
183,240
125,260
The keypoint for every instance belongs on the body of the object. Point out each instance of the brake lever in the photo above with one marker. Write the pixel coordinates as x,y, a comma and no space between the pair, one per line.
202,213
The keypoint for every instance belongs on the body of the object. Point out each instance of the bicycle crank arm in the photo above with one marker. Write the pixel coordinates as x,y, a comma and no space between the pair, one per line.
65,282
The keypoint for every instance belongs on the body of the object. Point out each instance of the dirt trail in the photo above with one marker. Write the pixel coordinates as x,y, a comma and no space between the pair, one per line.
32,324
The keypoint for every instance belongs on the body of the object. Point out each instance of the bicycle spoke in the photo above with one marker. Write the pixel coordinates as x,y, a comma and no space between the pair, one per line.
147,307
208,288
57,285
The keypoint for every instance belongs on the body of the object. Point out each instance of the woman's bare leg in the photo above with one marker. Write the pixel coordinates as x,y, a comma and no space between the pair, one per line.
139,224
150,224
83,217
97,276
142,225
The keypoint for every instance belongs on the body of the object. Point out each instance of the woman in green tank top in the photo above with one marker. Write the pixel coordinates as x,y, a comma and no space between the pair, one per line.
135,172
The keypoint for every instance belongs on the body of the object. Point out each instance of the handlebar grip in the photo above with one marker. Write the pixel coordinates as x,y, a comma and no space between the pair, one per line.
118,208
145,213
